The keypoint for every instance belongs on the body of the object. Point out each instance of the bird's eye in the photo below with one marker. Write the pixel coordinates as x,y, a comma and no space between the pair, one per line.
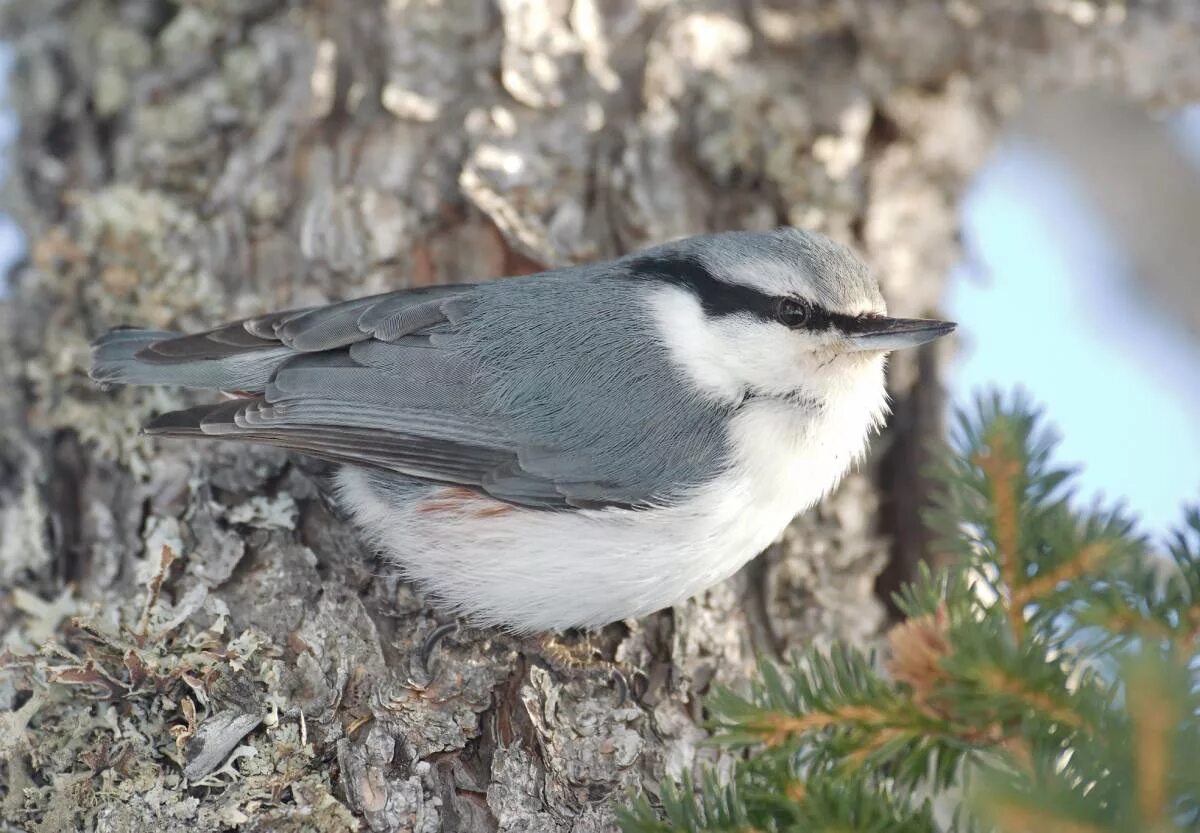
794,313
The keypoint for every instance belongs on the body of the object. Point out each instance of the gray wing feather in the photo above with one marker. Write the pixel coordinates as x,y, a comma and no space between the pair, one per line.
267,326
325,328
389,320
422,378
436,447
546,392
223,342
384,317
245,355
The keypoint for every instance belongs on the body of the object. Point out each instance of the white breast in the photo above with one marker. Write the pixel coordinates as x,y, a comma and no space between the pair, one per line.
529,569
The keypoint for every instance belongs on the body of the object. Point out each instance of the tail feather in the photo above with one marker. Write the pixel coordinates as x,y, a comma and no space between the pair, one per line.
188,422
332,369
244,355
122,342
137,357
114,353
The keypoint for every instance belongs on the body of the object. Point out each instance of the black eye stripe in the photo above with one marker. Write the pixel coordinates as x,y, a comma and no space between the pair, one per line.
718,297
845,323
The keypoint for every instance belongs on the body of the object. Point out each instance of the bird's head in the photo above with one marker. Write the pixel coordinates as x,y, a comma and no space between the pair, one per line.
778,313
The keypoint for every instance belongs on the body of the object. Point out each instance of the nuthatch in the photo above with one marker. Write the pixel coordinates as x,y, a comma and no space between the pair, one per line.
568,448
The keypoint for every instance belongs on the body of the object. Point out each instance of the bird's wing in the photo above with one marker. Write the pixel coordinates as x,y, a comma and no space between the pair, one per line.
244,355
449,385
406,408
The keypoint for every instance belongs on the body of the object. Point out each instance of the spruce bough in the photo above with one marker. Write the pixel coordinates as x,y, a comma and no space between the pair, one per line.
1045,680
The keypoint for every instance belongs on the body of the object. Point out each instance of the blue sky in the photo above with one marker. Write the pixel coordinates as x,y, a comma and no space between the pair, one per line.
11,243
1043,303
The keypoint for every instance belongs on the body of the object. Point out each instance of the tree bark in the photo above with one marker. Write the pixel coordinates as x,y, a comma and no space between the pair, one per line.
180,164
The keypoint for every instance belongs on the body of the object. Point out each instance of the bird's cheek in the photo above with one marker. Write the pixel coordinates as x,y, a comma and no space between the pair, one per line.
825,352
832,361
859,365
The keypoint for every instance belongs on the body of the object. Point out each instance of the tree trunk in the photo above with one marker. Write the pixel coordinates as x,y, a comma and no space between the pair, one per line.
180,164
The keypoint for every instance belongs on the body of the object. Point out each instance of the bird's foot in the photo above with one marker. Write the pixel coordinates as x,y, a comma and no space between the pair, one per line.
422,663
581,655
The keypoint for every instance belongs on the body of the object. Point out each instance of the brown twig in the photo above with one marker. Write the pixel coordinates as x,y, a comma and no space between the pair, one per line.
1002,469
1154,718
1012,818
999,681
1080,564
1131,621
777,728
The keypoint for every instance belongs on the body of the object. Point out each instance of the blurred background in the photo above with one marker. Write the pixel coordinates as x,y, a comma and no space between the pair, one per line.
1052,300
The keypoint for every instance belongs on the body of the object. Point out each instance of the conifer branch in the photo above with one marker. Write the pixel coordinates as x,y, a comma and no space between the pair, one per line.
1154,714
1084,562
1068,702
1014,818
1002,469
1001,682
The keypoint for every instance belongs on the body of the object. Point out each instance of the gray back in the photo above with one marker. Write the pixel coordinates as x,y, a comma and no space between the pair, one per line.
571,368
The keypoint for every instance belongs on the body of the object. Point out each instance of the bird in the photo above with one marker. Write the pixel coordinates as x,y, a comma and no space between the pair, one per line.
565,449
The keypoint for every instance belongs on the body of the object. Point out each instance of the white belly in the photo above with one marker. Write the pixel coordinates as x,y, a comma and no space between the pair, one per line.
528,569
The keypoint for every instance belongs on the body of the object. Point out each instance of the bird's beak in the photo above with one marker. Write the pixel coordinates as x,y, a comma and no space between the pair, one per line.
893,333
